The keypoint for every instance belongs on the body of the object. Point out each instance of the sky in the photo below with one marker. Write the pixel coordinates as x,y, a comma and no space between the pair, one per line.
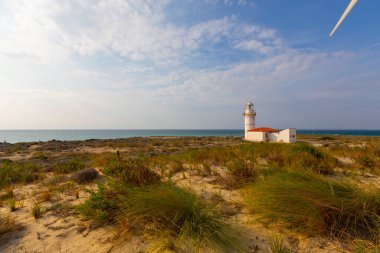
153,64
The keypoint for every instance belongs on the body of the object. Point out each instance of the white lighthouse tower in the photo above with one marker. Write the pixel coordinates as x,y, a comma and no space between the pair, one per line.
249,118
262,134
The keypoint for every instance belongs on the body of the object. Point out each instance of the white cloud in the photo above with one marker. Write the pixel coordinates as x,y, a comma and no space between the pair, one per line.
54,30
104,64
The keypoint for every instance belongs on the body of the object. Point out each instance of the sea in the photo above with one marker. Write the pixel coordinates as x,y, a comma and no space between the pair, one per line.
15,136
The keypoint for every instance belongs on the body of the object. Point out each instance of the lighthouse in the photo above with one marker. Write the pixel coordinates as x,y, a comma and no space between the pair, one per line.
249,118
261,134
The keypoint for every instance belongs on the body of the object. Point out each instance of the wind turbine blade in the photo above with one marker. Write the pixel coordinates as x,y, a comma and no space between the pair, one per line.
349,8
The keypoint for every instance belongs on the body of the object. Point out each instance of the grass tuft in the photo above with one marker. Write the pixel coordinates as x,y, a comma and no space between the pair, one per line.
131,171
7,224
100,207
314,204
182,212
12,204
242,171
37,211
12,173
277,244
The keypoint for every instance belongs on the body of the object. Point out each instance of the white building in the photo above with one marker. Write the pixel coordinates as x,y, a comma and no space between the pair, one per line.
265,133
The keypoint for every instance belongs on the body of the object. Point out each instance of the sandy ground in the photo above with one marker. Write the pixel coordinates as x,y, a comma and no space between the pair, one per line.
61,231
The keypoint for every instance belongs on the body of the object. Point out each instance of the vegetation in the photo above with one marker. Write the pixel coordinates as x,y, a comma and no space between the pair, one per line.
311,203
169,208
7,224
242,171
69,166
131,171
37,211
298,186
85,175
101,207
363,246
277,244
12,204
13,173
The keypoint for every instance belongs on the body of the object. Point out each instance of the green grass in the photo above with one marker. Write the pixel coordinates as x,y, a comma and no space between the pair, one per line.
101,207
242,171
12,204
169,208
277,244
72,165
182,212
131,171
313,204
13,173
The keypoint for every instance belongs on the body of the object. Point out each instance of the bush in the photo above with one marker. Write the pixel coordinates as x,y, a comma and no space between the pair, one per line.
100,207
181,212
366,162
131,171
85,175
242,171
12,173
326,138
69,166
305,156
313,204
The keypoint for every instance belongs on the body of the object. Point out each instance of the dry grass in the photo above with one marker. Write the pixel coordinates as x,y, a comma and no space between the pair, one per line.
314,204
7,224
169,209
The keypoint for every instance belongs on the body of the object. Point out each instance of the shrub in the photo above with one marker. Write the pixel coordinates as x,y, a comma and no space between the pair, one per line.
181,212
12,173
69,166
100,207
313,204
305,156
85,175
132,171
326,138
242,171
366,162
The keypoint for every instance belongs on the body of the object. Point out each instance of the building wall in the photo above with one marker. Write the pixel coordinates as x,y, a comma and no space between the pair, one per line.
255,136
287,135
249,123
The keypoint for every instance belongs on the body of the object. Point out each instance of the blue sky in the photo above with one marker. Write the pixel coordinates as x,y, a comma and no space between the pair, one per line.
188,64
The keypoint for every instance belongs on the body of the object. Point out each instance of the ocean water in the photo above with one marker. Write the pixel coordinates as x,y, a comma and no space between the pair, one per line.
14,136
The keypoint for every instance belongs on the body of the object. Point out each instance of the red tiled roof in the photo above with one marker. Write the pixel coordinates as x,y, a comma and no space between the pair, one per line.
263,129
